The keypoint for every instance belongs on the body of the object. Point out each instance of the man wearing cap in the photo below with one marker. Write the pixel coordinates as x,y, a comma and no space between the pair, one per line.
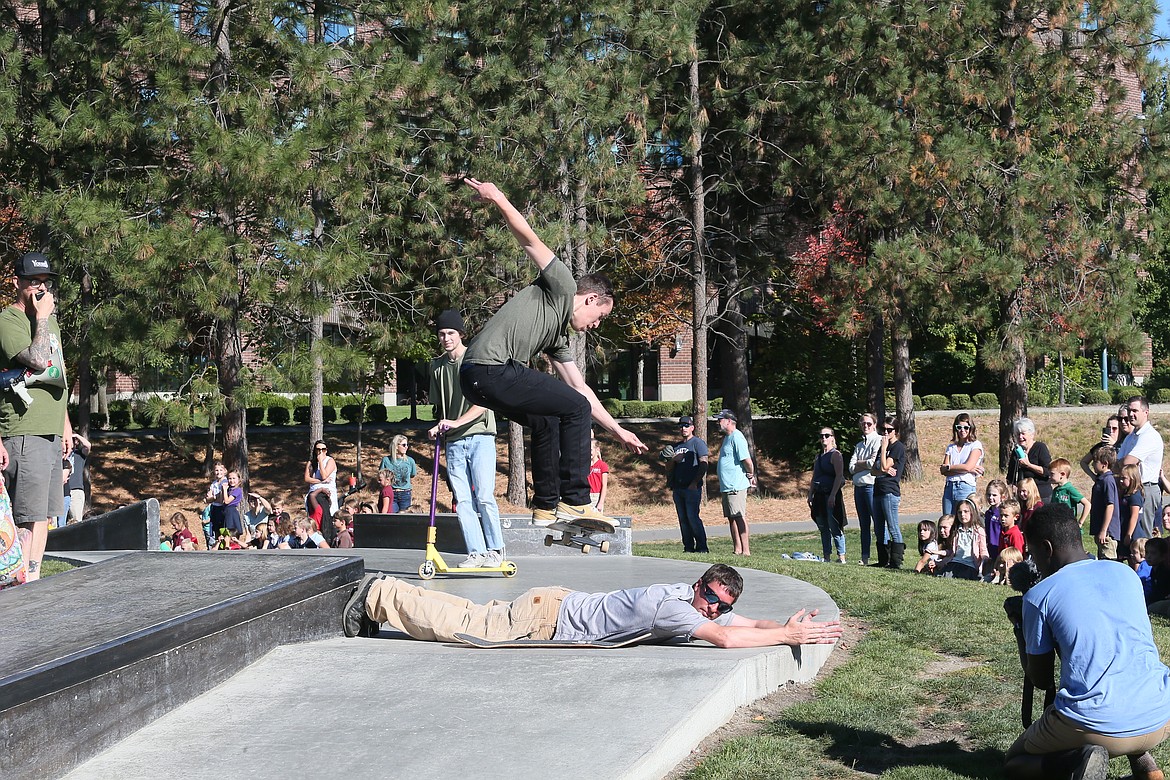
737,475
470,435
38,434
495,372
686,471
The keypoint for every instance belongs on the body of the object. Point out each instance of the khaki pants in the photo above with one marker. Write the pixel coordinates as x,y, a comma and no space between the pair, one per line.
1053,732
436,616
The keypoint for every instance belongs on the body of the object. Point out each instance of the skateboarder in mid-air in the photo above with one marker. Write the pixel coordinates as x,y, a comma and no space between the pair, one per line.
700,610
495,373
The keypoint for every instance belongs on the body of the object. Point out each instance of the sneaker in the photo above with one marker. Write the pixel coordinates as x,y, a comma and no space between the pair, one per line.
474,561
570,513
354,619
543,517
1093,765
492,559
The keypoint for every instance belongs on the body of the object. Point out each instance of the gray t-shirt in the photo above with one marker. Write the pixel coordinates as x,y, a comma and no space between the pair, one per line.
535,320
664,610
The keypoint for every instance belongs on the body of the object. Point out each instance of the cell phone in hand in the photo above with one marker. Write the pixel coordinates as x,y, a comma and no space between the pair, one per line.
40,295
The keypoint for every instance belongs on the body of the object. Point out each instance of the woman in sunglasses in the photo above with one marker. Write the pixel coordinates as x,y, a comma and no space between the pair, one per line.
321,477
824,495
887,489
961,464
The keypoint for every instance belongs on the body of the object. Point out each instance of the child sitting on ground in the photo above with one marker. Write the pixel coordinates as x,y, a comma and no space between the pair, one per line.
968,544
1064,492
1158,599
1011,535
928,551
1008,558
1138,562
946,535
996,494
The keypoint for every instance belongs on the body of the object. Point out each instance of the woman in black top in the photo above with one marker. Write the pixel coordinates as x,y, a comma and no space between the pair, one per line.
887,490
824,495
1030,458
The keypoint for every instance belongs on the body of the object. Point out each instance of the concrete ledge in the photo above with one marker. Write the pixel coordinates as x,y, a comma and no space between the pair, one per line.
107,648
408,531
133,527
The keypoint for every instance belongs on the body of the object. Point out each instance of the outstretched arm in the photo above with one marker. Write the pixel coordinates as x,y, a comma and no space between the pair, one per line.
571,375
527,238
800,629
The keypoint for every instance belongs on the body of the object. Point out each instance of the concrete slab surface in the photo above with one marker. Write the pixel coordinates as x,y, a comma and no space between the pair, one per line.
390,707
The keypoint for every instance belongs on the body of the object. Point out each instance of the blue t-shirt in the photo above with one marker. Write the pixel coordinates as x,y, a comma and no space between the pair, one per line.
1104,494
732,453
1112,681
687,469
404,470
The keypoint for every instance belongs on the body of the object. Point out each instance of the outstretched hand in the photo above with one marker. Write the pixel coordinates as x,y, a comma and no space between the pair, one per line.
803,630
484,190
631,442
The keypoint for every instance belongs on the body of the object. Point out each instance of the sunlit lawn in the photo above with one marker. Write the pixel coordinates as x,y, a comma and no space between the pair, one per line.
882,713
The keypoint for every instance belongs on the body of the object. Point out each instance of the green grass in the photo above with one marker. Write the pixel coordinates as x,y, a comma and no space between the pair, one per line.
50,566
882,712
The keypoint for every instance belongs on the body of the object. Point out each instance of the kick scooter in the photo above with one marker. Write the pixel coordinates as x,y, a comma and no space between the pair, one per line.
434,563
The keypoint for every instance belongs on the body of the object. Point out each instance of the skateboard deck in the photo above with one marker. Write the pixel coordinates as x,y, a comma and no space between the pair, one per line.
608,644
579,533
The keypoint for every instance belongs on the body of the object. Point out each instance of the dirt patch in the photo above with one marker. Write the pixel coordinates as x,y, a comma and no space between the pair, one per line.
753,718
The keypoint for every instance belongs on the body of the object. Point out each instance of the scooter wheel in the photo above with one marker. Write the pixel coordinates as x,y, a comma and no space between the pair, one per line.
427,570
509,569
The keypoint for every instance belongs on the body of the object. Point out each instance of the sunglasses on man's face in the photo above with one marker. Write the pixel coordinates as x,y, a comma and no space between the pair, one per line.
826,435
711,598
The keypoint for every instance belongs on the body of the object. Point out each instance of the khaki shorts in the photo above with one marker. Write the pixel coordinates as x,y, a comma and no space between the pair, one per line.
1053,732
1107,551
735,504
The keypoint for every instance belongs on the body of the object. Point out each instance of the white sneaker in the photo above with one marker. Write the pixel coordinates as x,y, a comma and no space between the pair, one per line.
492,559
474,561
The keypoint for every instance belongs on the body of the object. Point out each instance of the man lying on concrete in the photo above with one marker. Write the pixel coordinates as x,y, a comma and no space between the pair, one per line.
702,610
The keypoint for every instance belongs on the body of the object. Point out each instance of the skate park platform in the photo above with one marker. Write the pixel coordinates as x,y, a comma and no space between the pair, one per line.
391,707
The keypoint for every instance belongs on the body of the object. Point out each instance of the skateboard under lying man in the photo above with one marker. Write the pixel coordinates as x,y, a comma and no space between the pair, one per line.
700,610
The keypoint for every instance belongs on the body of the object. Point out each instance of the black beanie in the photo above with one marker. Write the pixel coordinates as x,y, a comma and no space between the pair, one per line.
449,319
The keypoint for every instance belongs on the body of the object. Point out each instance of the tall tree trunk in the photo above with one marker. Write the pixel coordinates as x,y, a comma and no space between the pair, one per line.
317,389
1013,391
875,368
736,384
640,374
84,364
517,488
701,314
231,364
904,398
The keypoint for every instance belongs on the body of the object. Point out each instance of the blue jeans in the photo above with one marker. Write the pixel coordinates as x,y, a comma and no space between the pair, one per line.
402,500
826,515
686,505
885,511
863,503
953,493
471,466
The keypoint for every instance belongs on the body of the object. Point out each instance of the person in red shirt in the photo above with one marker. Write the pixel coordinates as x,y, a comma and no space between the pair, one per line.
1011,535
183,538
598,478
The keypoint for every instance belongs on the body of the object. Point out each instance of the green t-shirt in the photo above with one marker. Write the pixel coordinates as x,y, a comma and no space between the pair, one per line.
1068,495
535,320
449,403
46,415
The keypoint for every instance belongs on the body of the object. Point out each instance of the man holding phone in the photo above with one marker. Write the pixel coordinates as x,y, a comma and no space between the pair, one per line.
37,434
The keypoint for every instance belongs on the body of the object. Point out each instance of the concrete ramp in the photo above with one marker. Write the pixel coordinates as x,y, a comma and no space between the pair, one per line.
395,708
96,653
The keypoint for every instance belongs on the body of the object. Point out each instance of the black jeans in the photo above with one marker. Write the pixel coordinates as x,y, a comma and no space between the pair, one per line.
558,417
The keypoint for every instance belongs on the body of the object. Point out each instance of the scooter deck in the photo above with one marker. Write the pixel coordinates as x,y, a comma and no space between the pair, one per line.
609,644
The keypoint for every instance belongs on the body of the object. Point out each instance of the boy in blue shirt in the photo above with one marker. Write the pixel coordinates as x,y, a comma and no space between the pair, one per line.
1104,519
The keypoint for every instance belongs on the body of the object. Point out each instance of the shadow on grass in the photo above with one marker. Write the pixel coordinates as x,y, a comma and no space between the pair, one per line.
874,753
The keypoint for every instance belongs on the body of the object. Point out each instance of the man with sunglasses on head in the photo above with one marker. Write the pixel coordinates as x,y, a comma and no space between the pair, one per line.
37,434
700,610
1144,448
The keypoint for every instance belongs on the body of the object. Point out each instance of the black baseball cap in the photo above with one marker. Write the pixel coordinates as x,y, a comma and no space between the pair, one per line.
685,421
33,264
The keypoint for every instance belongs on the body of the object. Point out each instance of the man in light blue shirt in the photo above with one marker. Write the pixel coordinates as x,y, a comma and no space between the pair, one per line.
737,475
1113,698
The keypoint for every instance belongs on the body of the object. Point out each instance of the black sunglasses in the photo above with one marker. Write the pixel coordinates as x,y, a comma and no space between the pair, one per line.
826,435
712,599
888,429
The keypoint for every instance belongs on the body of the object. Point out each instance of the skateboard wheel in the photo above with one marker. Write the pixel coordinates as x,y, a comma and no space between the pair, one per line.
427,570
548,541
586,548
604,546
509,569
